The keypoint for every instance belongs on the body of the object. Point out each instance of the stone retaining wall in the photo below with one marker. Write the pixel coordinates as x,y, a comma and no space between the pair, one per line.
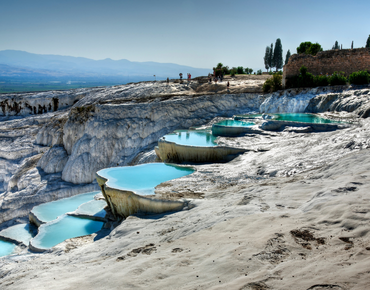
327,62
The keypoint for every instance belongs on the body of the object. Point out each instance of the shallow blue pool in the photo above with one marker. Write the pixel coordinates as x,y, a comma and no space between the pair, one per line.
50,211
65,227
22,233
201,138
302,117
142,179
6,248
234,123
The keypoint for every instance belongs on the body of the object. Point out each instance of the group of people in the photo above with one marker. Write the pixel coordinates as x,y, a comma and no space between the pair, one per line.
219,78
189,77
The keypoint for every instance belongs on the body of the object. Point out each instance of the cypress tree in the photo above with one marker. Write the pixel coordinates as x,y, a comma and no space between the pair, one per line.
336,45
278,54
287,56
352,45
266,58
271,60
368,42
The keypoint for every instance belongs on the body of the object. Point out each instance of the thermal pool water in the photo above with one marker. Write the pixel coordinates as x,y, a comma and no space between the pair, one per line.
6,248
234,123
51,210
200,138
302,117
21,233
63,228
142,179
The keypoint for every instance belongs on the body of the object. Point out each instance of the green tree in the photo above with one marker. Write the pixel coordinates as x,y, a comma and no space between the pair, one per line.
314,49
278,54
352,45
287,56
218,69
303,47
266,58
225,70
233,71
248,70
336,45
240,70
309,48
271,60
368,42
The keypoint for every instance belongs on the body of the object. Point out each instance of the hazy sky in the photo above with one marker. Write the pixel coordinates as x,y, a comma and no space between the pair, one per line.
196,33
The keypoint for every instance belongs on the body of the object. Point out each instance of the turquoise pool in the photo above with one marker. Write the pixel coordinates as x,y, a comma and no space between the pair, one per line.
234,123
142,179
6,248
22,233
201,138
302,117
63,228
50,211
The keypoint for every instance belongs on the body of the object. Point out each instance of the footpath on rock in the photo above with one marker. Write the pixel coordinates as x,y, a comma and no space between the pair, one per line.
292,215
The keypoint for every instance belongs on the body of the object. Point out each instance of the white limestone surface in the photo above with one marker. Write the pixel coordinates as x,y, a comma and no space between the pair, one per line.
292,216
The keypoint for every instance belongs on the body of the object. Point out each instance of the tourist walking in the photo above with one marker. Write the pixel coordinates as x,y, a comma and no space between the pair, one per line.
228,85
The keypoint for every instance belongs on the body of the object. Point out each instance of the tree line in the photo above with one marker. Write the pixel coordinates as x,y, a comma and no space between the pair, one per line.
337,46
220,69
274,56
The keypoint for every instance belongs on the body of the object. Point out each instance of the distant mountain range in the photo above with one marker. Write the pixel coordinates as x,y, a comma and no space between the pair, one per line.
22,65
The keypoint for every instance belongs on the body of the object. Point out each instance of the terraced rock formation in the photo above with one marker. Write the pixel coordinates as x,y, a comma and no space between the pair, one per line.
291,213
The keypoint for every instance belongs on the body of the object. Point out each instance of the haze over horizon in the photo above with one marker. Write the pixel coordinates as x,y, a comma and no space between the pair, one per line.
193,33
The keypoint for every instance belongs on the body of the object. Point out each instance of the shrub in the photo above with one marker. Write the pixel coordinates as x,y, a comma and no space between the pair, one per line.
321,81
273,84
259,72
233,72
267,86
359,78
337,79
304,79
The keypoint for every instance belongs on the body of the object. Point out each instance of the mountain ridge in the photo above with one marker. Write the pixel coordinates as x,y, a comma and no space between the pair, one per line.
79,66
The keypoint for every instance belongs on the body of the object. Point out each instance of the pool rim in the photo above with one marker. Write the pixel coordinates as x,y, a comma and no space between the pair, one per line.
150,203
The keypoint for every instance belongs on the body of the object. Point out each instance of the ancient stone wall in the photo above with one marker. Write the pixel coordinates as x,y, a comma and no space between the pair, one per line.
327,62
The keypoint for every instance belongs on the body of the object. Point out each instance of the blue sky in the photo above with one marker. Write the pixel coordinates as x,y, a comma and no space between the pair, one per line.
196,33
